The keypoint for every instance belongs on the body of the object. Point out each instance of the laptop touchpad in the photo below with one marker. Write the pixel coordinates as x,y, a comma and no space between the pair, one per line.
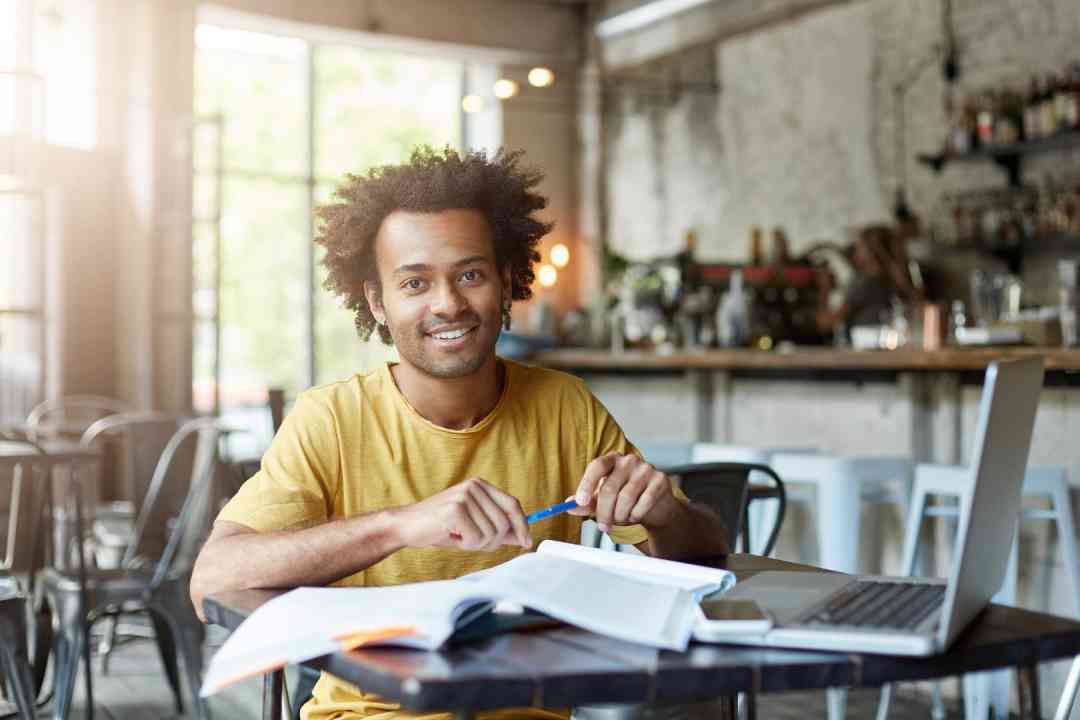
787,594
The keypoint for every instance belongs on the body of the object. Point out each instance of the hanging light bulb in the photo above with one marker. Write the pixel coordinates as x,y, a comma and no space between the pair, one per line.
541,77
472,103
560,255
547,275
505,89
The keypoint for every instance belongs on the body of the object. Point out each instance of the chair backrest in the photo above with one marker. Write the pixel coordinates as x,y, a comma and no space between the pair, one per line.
19,465
191,524
725,487
80,411
143,437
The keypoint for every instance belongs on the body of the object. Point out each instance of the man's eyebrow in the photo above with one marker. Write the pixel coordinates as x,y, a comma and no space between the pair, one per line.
421,267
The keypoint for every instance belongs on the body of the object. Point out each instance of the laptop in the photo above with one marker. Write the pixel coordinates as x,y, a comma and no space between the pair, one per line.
919,616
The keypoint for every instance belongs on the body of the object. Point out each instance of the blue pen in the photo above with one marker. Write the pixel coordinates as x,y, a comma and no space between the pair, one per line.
548,512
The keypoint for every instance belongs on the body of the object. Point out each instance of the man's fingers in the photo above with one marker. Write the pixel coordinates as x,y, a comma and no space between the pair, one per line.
658,485
462,526
485,528
609,494
628,497
596,471
509,509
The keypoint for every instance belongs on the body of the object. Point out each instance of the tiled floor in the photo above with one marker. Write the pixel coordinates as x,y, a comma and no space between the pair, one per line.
135,689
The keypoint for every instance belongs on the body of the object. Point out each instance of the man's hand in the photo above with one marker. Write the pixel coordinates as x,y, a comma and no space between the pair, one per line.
472,515
626,490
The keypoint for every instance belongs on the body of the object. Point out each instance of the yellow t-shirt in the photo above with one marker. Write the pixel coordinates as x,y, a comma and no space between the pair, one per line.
357,446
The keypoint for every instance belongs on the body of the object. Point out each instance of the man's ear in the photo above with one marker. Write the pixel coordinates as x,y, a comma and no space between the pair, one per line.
373,293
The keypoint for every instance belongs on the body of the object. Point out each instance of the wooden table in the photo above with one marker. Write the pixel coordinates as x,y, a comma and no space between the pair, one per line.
567,667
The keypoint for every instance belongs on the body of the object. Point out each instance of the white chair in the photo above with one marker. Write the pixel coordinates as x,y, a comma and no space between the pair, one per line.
990,690
842,483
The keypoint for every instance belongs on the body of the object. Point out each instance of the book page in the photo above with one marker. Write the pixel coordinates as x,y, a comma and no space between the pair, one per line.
585,595
309,622
698,580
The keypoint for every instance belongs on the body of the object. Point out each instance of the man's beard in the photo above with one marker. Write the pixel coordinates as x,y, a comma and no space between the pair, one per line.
412,347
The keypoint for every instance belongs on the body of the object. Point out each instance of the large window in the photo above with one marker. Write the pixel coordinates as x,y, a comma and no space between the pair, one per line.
279,121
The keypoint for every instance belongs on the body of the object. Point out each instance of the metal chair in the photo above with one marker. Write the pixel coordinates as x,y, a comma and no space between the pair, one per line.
71,415
159,588
28,476
716,484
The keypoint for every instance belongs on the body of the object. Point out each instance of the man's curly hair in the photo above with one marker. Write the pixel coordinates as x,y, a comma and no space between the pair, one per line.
432,181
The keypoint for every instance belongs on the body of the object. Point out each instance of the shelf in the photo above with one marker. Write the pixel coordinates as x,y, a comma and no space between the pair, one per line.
1008,157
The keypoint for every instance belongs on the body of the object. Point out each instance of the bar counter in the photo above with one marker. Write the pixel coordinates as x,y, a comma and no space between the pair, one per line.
912,402
804,358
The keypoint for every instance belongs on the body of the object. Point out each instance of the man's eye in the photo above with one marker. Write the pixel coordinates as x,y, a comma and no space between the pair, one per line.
471,275
413,284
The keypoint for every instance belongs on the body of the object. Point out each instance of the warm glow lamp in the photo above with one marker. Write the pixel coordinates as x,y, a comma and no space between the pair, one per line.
505,89
560,255
547,275
541,77
472,103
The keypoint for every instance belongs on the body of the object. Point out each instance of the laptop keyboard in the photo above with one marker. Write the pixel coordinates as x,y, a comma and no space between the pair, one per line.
870,604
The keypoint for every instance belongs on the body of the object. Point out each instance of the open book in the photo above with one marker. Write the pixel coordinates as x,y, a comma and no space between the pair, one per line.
634,598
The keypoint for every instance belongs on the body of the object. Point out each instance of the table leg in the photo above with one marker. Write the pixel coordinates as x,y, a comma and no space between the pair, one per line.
273,683
1027,682
749,705
729,707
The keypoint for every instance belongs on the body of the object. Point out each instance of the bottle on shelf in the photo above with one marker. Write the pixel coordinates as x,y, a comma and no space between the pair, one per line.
984,118
780,251
1049,123
1033,111
1072,103
757,249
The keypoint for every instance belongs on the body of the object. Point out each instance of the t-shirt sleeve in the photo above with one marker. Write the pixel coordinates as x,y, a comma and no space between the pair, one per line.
298,479
608,437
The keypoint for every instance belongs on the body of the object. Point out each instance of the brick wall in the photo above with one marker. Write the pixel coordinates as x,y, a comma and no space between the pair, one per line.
670,156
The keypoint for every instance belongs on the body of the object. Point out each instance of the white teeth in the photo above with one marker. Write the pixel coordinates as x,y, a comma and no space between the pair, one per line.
451,335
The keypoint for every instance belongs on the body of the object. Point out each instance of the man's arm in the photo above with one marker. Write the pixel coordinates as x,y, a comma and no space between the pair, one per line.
625,490
236,557
471,515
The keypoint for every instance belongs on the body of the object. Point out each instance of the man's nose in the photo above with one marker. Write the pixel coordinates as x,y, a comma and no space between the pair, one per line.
448,301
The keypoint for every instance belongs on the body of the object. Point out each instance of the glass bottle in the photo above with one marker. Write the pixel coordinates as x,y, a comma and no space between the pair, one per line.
1049,123
1033,111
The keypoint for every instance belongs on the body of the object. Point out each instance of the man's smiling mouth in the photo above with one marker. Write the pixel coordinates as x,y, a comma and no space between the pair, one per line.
452,334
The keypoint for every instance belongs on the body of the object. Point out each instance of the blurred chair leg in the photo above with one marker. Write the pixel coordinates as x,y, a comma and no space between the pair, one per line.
167,650
67,649
1068,693
43,643
108,642
188,633
16,664
836,702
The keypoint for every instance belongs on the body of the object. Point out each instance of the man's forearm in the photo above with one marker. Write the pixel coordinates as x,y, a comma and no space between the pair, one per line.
697,531
289,558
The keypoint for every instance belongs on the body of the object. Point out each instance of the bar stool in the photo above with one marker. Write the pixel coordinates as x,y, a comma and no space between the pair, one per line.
842,484
990,690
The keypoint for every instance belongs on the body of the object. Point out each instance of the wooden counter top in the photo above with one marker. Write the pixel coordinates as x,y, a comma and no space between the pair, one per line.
808,358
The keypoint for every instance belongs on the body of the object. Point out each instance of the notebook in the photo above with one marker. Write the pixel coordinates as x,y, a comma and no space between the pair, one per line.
634,598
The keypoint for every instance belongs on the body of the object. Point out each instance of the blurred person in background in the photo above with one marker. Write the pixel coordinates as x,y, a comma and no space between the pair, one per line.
879,259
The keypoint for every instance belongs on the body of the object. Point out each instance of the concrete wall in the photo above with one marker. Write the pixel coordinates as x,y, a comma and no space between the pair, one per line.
819,79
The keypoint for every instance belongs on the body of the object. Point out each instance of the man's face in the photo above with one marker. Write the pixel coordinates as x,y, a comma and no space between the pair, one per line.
441,291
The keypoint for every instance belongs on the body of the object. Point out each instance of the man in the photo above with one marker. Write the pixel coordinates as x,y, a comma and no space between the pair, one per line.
424,469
